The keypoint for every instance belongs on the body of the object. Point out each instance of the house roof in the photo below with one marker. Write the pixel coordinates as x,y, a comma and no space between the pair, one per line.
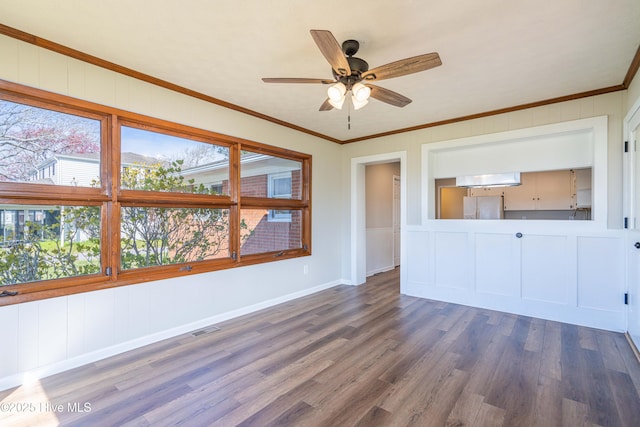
496,55
126,158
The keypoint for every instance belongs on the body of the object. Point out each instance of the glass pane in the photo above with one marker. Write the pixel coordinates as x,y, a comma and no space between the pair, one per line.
154,161
267,230
48,242
262,175
47,147
160,236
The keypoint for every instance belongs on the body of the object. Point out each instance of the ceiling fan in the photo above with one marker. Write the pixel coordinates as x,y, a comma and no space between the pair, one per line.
353,74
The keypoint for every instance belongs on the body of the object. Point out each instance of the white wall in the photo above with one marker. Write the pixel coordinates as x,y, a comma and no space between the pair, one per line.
49,335
610,105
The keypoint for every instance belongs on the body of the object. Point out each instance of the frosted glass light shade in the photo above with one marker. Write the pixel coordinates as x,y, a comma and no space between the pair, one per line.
361,92
336,92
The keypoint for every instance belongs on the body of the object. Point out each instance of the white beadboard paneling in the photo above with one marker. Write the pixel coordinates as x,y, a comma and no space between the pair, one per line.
9,55
545,266
497,269
139,96
601,281
52,336
121,310
162,307
28,65
56,78
452,260
138,316
100,85
75,325
76,85
10,331
28,339
98,320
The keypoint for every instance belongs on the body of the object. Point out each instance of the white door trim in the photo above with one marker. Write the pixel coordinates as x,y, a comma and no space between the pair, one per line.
358,210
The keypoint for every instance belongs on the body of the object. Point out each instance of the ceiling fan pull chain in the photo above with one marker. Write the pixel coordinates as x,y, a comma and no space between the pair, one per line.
349,116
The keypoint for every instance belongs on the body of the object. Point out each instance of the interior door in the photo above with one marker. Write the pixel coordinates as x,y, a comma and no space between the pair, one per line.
633,242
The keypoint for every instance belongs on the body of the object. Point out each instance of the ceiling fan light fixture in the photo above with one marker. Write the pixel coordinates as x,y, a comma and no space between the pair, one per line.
337,104
357,104
336,92
361,92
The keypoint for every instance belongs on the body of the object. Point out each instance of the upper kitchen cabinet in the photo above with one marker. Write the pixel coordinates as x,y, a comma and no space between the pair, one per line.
486,191
549,191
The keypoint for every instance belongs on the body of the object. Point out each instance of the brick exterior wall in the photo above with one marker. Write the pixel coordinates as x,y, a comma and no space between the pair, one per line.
262,234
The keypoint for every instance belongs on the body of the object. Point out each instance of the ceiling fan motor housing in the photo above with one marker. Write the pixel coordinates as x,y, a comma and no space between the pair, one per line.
357,65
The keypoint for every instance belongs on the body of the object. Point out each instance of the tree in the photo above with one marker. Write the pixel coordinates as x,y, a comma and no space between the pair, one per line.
29,135
40,254
153,236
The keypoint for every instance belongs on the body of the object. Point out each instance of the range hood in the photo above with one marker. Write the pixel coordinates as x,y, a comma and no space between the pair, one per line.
489,180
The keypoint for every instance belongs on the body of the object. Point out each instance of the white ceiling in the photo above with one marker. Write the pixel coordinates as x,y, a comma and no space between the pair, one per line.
495,53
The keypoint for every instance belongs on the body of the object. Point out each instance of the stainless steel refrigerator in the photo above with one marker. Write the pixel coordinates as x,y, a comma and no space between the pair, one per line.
483,207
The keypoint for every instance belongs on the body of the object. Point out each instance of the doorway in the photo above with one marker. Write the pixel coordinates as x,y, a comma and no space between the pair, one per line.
358,253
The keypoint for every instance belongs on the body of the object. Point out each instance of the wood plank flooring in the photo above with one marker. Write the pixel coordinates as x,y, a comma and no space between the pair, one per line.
352,356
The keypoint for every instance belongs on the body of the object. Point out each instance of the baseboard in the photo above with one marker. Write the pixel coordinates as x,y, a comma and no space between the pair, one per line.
19,379
380,270
632,345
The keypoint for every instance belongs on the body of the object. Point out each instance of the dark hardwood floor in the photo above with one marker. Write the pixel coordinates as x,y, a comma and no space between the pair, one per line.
353,356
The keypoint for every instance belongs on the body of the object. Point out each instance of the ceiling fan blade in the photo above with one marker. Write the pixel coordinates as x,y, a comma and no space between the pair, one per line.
388,96
297,80
326,106
403,67
332,51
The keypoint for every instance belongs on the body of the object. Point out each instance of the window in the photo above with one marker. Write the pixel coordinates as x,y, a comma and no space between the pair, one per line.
279,187
150,200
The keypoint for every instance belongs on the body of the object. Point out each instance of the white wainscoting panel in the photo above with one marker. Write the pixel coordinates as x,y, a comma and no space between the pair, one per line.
545,265
417,256
497,271
601,278
554,270
452,259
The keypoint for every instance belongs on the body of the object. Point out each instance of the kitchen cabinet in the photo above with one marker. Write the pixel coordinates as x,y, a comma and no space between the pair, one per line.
486,191
549,190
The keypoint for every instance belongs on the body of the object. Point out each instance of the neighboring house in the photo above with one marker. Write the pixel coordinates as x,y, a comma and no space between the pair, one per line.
61,169
262,176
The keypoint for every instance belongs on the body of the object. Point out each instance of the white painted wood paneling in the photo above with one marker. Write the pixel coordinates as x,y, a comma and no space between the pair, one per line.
497,271
52,331
545,263
452,260
28,65
417,257
75,326
601,278
567,274
98,320
9,355
29,335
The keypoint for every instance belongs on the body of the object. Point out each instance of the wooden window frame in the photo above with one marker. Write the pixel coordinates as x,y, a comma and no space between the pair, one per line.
110,197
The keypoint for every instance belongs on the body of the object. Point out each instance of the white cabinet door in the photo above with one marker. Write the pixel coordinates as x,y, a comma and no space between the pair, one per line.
554,190
521,197
548,191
